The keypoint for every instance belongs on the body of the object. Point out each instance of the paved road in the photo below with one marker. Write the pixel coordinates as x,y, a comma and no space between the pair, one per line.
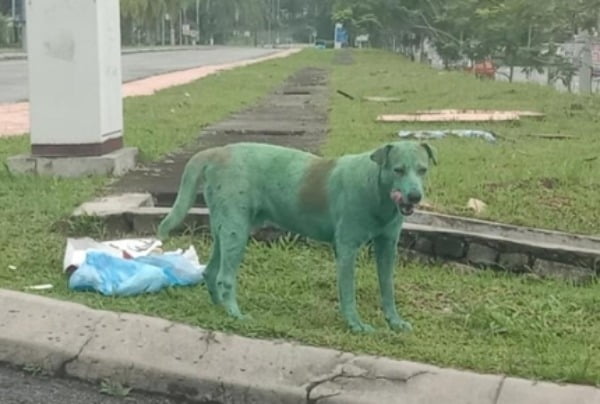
17,387
13,73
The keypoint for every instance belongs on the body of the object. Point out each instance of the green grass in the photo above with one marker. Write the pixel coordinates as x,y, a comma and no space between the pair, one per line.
524,180
156,124
482,320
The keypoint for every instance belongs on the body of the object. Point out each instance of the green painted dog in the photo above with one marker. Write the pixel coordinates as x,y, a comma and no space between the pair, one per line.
347,201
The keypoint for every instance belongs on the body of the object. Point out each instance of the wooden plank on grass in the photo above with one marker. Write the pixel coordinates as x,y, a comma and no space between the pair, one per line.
531,114
452,117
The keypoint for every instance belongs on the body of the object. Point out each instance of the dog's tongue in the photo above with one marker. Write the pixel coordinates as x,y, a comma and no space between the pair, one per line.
396,197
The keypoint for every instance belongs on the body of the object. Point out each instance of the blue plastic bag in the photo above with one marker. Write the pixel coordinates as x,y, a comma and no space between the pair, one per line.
115,276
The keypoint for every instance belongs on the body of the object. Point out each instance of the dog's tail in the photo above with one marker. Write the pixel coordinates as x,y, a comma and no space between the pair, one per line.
188,188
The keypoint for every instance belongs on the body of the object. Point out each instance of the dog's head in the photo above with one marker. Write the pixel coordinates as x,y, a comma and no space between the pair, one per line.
404,165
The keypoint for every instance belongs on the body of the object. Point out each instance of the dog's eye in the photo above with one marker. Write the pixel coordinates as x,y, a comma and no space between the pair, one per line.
399,170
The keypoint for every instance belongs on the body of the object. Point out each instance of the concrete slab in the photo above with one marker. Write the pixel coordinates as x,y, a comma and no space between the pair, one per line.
113,204
116,164
156,355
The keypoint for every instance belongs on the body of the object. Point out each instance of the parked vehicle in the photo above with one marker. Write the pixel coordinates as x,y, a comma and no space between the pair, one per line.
483,69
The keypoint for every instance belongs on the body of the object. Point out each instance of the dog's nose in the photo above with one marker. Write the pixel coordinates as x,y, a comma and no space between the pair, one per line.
414,197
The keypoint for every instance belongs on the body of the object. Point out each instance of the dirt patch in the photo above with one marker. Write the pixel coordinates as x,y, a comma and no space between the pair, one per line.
343,57
294,115
548,183
556,202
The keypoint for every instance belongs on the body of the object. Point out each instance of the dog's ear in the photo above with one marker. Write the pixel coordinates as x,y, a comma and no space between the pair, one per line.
430,152
380,155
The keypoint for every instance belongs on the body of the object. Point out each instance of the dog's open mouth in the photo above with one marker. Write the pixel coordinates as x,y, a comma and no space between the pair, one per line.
406,209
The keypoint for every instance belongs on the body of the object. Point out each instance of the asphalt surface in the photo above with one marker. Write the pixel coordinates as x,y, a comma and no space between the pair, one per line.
19,387
13,73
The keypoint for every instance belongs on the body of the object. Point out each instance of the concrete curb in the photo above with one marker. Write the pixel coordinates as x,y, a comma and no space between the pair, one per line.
546,254
124,51
127,51
156,355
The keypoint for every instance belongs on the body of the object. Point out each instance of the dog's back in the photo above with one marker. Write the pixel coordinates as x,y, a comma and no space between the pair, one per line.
274,184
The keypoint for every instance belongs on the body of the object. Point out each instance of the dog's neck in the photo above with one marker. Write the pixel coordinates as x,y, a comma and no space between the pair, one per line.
384,208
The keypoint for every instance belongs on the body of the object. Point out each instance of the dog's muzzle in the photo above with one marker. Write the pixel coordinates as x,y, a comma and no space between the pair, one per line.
406,208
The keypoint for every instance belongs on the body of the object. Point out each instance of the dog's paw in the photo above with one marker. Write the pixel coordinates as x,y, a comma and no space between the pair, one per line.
234,312
213,292
361,328
399,325
243,317
215,298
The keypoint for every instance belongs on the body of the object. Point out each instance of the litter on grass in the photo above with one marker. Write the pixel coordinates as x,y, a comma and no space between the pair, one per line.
128,267
478,206
376,98
46,286
438,134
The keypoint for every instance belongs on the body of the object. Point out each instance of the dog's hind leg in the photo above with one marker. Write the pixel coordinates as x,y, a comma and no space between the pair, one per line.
385,254
346,253
233,237
212,270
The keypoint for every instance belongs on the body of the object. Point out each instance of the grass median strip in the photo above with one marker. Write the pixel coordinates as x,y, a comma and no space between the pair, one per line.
480,320
541,173
31,249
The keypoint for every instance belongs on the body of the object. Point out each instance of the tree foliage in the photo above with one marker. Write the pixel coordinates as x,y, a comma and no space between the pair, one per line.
513,32
221,20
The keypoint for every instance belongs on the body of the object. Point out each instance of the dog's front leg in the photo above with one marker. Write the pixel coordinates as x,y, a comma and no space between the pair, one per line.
346,260
385,247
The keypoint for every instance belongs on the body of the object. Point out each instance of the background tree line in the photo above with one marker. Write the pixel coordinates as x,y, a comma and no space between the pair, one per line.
524,33
224,21
514,32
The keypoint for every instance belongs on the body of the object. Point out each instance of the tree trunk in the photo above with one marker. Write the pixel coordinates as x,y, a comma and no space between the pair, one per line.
172,32
180,27
529,34
421,50
157,33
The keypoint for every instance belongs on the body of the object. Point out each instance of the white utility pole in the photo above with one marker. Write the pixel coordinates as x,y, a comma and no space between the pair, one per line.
75,89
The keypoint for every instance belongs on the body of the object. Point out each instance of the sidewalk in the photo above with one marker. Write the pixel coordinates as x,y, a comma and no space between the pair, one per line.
156,355
14,117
